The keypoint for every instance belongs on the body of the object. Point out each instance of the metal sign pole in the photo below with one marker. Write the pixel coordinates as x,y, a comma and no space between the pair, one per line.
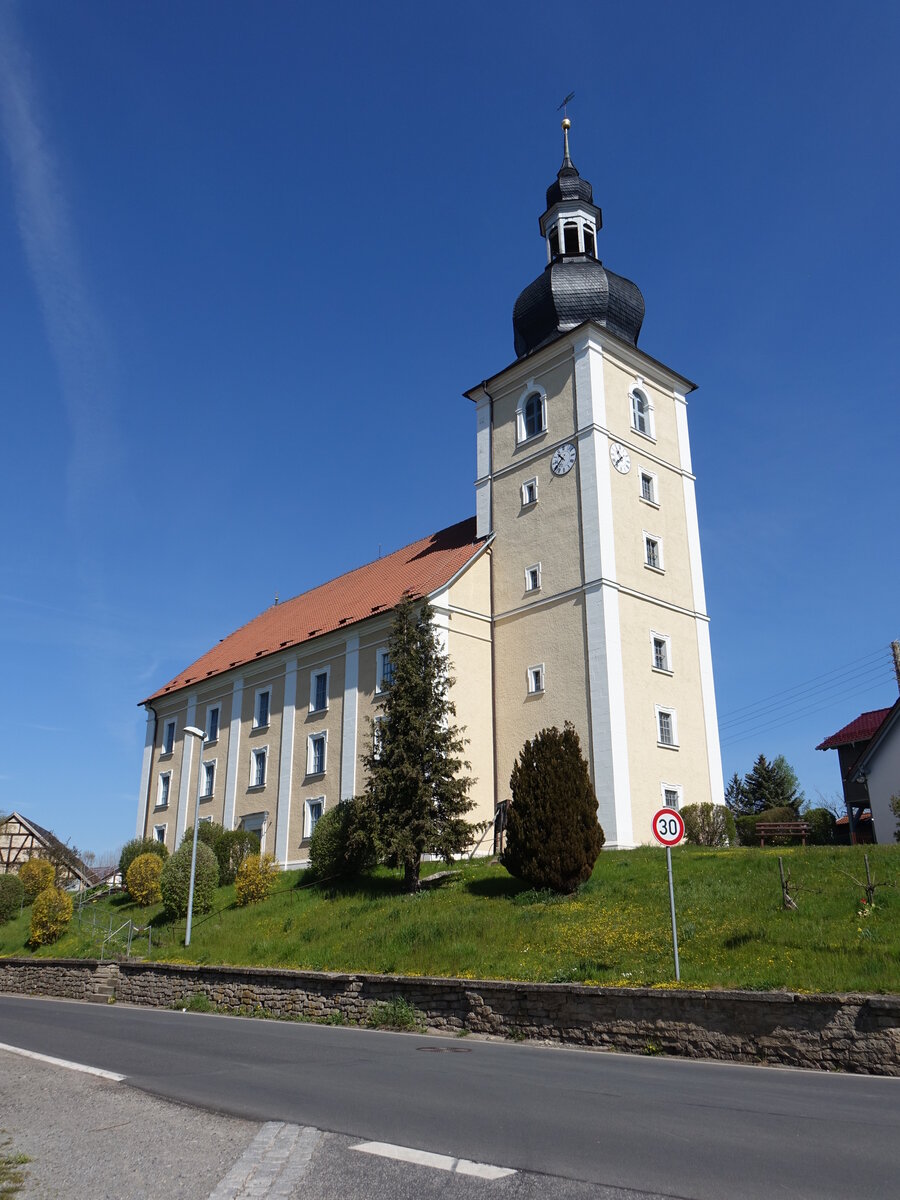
672,906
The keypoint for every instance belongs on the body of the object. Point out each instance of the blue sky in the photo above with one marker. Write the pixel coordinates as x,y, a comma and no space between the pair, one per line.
252,254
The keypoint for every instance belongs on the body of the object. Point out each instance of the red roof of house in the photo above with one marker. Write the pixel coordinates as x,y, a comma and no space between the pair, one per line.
419,569
864,727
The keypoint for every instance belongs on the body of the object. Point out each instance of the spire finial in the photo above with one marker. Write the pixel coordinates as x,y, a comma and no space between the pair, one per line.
566,126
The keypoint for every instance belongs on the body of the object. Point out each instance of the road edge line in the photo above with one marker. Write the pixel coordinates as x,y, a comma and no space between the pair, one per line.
63,1062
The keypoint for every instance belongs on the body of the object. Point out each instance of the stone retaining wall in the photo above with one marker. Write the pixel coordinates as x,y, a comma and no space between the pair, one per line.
846,1033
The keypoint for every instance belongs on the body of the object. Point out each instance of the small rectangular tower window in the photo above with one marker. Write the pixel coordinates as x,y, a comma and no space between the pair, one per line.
533,578
648,487
671,794
212,723
653,557
662,659
313,810
666,727
209,780
529,492
159,832
384,672
162,789
536,680
315,759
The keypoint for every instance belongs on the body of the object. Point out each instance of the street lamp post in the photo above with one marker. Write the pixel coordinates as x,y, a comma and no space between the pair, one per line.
194,732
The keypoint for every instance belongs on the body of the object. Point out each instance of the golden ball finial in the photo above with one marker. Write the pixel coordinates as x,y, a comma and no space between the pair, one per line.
566,123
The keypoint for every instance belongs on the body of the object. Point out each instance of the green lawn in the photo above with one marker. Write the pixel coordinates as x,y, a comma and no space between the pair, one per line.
484,924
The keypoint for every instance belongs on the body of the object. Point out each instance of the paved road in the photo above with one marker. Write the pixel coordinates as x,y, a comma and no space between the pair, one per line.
662,1126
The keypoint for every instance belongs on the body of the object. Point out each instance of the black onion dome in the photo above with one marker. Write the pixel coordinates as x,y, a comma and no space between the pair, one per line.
570,291
569,185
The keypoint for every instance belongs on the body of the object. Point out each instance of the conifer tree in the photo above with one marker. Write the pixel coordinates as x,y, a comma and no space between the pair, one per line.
417,790
553,836
736,796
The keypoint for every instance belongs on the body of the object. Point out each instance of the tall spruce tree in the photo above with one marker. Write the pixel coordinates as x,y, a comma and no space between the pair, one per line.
771,785
417,789
736,796
553,836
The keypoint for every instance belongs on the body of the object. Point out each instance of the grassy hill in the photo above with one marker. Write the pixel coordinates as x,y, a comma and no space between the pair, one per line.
733,931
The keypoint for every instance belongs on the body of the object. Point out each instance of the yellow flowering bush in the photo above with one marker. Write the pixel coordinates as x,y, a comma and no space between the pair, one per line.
142,880
36,875
50,914
254,879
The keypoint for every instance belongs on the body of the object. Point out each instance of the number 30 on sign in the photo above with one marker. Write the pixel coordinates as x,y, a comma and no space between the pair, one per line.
668,826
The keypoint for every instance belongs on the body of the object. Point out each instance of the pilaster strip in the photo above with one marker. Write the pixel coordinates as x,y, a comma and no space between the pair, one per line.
187,757
234,750
147,762
286,769
349,724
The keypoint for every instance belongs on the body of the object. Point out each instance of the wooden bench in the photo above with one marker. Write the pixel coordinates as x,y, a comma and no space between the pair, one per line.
766,829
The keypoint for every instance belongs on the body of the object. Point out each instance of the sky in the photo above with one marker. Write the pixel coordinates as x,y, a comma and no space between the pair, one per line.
252,254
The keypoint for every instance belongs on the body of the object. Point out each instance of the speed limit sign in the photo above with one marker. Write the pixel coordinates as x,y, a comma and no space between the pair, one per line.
668,826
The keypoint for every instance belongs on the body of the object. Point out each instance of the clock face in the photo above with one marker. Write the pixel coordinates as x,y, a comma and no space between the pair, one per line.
563,459
620,458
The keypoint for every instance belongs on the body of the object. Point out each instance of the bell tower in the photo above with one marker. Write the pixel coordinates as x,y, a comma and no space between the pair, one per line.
584,479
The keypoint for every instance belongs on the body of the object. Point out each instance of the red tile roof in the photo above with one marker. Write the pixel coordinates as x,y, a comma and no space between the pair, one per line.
864,727
419,569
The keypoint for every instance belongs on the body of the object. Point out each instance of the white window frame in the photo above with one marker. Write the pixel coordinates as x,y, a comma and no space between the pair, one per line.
381,656
260,691
665,638
529,483
638,388
662,709
210,709
653,499
254,753
173,722
205,821
160,829
671,787
208,795
531,389
313,676
534,690
322,735
160,803
660,567
377,722
536,569
307,815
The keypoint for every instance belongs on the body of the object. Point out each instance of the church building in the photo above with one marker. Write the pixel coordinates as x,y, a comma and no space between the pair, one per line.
575,594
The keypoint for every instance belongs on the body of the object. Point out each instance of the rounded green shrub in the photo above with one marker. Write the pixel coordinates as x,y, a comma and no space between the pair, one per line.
231,848
50,914
821,823
708,824
553,836
36,875
175,880
137,846
254,880
12,893
208,832
142,880
341,845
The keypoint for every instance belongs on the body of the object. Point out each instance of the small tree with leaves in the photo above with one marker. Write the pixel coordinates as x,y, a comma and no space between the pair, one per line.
553,836
417,790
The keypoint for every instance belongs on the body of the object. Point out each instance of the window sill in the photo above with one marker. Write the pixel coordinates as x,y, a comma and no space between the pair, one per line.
533,591
651,503
260,728
315,775
210,741
160,807
203,799
534,695
668,745
319,712
662,671
655,570
256,787
165,754
649,437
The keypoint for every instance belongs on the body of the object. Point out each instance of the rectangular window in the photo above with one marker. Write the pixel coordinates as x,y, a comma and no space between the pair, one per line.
212,723
261,708
377,736
314,810
653,552
209,780
535,679
666,727
529,492
162,789
671,795
661,661
258,768
533,578
159,832
315,764
648,487
384,675
168,742
318,691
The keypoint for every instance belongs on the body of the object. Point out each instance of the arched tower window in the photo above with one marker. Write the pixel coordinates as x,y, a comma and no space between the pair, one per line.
570,238
590,246
531,413
553,238
640,412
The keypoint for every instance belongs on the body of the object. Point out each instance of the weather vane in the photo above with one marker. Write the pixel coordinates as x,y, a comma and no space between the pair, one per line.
564,105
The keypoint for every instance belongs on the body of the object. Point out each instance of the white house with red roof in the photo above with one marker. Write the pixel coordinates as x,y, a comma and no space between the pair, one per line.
852,742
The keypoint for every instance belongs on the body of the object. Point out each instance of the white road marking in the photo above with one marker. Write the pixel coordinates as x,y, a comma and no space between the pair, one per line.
272,1166
63,1062
442,1162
